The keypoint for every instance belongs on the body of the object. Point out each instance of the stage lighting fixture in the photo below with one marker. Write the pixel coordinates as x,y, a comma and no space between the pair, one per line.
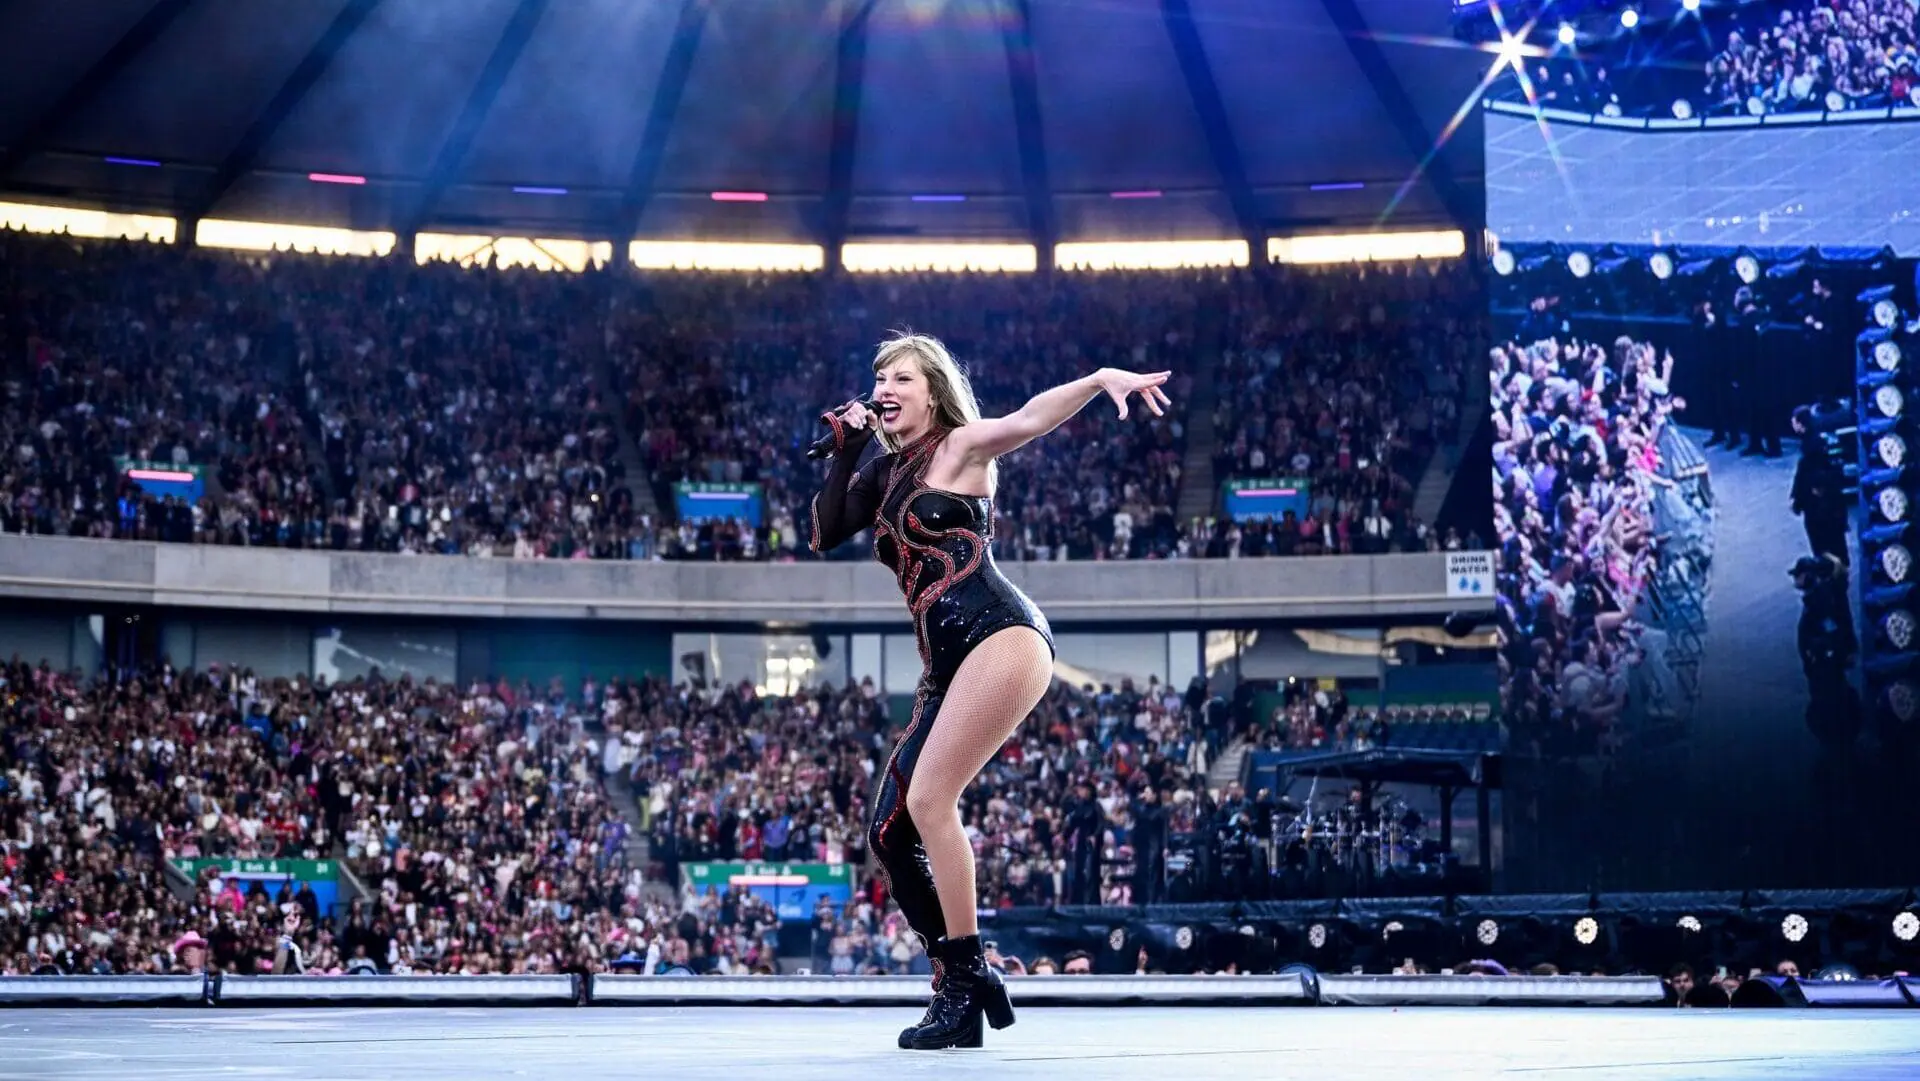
1392,928
1629,18
1888,400
1488,932
1794,927
1886,354
1586,930
1682,109
1690,5
1904,700
1661,264
1896,562
1899,628
1317,936
1892,504
1690,924
1748,268
1892,450
1567,34
1885,313
1580,264
1906,927
1503,262
1756,107
1836,101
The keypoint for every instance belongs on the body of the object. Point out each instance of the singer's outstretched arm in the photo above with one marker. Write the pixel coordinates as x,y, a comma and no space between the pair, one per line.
847,501
988,438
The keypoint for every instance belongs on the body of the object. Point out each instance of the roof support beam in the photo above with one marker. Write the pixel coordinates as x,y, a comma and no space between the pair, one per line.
241,159
1466,211
453,152
1042,224
849,80
1221,144
96,78
667,92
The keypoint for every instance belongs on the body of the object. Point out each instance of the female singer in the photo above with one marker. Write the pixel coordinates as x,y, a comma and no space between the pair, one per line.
987,651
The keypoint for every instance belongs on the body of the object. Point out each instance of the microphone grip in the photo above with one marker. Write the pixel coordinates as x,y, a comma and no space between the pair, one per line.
823,447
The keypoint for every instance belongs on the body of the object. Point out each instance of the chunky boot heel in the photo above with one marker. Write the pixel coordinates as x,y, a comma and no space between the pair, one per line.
998,1008
969,994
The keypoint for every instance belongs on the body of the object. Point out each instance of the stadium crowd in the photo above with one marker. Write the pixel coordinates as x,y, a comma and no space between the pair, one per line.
1863,50
1577,475
379,405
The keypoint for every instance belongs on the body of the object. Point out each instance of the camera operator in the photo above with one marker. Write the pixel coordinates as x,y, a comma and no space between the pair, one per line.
1819,495
1827,647
1085,824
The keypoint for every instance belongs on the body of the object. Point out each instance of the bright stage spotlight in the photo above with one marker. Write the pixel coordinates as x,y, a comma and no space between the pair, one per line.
1690,5
1586,930
1689,924
1567,34
1891,450
1887,355
1794,927
1488,932
1682,109
1748,268
1885,313
1836,101
1892,503
1661,264
1503,262
1896,563
1906,927
1889,401
1580,264
1629,18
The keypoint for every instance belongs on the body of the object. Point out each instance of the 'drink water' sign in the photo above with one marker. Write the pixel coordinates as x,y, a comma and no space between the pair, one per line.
1469,574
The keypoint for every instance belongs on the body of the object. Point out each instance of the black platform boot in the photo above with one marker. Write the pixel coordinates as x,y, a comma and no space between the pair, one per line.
970,991
937,958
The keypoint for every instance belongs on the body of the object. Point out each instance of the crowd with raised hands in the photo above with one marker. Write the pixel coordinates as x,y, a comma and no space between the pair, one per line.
1864,51
1577,472
1348,380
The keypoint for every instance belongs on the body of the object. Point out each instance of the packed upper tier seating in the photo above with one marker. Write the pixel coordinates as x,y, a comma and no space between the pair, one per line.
379,405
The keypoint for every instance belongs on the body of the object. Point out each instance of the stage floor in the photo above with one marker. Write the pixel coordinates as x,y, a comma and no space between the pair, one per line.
801,1044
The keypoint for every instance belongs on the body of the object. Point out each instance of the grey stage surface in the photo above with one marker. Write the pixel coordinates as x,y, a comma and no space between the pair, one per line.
850,1044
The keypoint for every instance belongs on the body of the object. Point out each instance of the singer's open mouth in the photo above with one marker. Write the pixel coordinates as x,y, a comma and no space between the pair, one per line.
889,411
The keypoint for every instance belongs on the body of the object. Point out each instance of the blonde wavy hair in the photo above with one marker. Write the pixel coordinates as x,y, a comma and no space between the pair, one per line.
954,404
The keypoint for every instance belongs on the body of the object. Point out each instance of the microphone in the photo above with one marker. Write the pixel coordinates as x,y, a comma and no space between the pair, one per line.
823,446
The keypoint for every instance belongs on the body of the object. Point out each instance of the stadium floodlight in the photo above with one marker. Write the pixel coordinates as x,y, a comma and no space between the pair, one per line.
1794,927
1885,313
1898,626
1629,18
1661,264
1892,503
1906,927
1888,400
1503,262
1682,109
1892,450
1488,932
1886,354
1896,562
1586,931
1748,268
1580,264
1567,34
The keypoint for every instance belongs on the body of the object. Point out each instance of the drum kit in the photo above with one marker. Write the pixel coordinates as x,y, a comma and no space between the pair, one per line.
1343,838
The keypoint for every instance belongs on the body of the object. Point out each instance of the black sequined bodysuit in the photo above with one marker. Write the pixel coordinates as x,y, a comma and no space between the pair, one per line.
938,545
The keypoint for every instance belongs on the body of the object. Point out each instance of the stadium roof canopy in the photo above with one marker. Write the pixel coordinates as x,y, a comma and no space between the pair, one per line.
1054,119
